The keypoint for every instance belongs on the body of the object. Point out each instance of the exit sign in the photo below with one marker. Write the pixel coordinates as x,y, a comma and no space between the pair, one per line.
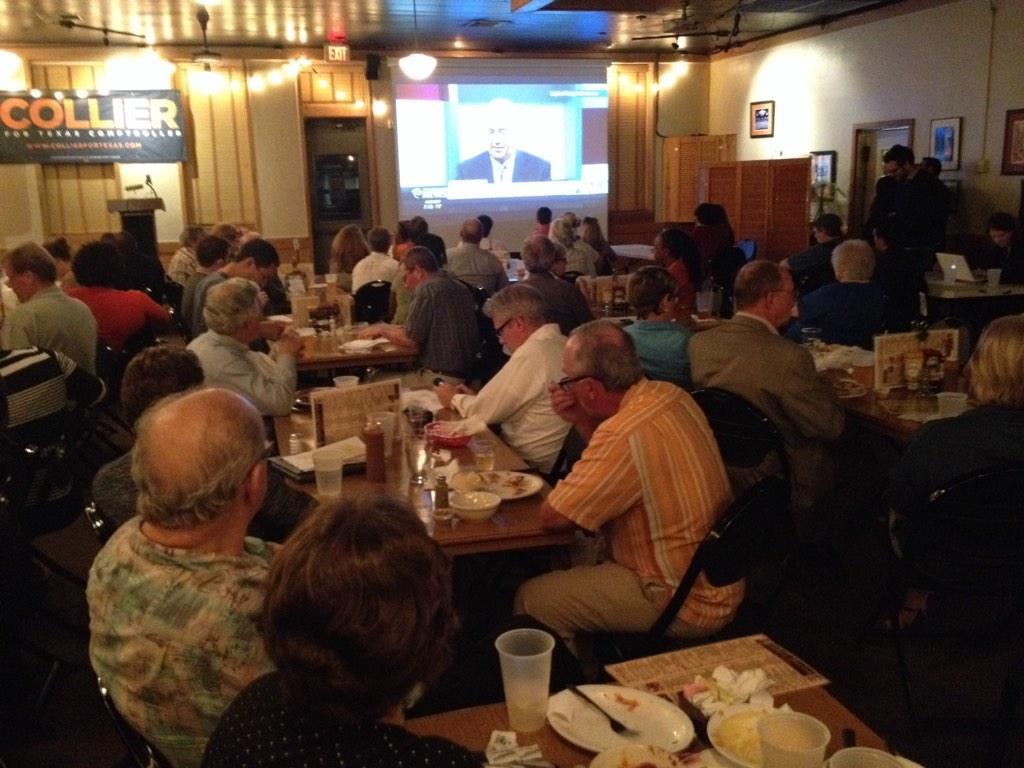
336,52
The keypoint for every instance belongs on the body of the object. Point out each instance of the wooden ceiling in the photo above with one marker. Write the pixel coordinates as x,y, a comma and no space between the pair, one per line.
584,26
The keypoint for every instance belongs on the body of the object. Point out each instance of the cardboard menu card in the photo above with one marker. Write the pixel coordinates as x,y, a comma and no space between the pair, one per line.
341,413
914,359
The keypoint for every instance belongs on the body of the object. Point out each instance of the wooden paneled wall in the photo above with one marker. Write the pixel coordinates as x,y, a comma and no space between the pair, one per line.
75,197
220,178
333,85
680,162
631,137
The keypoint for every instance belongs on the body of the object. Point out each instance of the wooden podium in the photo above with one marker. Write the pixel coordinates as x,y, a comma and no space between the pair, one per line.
137,218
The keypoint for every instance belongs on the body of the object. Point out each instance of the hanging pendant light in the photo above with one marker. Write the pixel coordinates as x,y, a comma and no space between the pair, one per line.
417,66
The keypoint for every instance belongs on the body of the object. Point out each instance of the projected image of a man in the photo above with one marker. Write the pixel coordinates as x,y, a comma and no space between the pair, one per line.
502,163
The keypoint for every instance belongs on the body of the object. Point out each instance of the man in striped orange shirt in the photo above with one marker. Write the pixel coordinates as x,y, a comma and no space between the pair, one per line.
651,478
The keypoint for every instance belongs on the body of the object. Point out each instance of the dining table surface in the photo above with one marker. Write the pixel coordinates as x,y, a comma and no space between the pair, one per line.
515,526
472,728
323,360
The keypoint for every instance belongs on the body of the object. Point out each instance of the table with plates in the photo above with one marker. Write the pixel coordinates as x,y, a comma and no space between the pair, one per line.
390,354
515,526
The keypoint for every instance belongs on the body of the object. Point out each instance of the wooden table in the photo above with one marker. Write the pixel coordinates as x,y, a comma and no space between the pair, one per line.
472,727
973,303
515,526
331,361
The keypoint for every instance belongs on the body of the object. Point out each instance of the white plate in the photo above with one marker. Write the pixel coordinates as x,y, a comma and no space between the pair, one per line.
847,389
715,724
636,755
511,485
660,723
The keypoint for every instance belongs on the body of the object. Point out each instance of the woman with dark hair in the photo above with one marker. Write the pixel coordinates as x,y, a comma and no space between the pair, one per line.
712,233
358,619
60,249
142,271
348,247
98,267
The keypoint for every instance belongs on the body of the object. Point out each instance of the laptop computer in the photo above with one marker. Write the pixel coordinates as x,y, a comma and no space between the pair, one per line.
955,268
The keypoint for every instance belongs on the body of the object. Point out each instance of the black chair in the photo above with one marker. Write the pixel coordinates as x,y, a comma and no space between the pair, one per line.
572,276
141,754
724,557
99,523
724,266
813,278
572,449
372,302
173,294
490,356
970,542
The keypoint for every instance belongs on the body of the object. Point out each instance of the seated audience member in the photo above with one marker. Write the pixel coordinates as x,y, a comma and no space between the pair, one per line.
812,268
229,232
211,255
517,396
424,237
175,595
563,303
377,264
629,482
153,374
677,252
234,316
712,233
184,263
472,264
47,395
142,269
45,317
60,250
661,344
487,242
401,296
359,617
543,225
1007,252
591,234
120,315
256,260
748,357
850,311
900,273
442,323
579,256
348,248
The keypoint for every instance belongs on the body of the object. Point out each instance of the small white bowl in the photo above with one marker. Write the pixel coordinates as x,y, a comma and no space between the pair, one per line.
474,506
344,382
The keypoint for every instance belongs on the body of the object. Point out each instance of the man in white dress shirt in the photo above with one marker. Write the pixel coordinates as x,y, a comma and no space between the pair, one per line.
233,315
517,397
376,265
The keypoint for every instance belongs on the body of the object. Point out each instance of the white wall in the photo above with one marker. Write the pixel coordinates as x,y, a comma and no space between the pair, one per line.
923,65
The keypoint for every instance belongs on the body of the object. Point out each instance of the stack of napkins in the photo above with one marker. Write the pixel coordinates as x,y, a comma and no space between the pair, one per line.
300,465
727,687
364,345
504,750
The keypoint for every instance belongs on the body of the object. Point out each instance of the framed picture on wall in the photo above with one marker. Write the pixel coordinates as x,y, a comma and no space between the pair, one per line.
945,142
823,167
1013,143
762,119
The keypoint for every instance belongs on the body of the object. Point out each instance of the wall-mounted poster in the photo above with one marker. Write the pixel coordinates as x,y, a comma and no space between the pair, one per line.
1013,142
89,127
945,142
762,119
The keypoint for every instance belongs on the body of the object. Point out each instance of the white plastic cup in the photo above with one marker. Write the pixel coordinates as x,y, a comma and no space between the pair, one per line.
327,464
862,757
525,656
483,453
705,302
993,276
792,740
388,423
344,382
951,403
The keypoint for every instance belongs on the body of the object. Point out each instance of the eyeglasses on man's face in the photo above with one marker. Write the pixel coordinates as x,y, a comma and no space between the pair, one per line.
499,328
566,382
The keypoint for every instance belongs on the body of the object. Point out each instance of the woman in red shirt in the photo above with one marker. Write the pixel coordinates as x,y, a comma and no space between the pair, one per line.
120,315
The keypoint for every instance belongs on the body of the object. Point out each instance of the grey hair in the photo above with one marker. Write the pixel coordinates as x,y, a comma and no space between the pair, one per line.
538,253
184,494
562,231
520,300
191,234
606,352
231,304
853,261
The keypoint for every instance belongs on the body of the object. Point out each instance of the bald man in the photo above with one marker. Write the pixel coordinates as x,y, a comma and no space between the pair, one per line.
472,264
176,594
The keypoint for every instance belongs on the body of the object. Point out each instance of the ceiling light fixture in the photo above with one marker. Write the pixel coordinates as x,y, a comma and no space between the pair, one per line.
417,66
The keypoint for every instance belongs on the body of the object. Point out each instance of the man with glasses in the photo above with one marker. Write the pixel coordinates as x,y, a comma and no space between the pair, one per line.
748,357
650,478
517,396
175,595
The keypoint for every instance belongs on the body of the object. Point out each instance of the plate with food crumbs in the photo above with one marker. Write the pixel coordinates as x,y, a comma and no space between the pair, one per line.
659,723
637,756
733,732
507,484
848,389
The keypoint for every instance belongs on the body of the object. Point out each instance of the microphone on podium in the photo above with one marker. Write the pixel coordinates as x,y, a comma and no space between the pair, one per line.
133,187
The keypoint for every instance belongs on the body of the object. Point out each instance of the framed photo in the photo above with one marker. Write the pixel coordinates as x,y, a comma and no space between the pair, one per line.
762,119
823,167
945,142
1013,143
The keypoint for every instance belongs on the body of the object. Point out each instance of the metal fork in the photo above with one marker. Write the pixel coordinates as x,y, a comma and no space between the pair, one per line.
617,725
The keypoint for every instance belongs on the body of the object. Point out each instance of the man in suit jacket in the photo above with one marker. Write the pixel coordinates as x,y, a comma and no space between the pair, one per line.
502,162
748,357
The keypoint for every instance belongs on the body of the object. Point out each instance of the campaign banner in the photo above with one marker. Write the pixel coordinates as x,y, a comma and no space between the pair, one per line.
116,127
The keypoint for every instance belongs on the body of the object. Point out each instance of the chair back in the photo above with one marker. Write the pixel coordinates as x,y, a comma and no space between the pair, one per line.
724,266
729,549
571,276
813,278
99,522
372,301
745,436
140,751
971,534
749,248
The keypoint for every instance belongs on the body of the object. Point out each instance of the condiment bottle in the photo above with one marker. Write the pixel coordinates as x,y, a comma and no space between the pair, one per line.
294,444
441,506
373,437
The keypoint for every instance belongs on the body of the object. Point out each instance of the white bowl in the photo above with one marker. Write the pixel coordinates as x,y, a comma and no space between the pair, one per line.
475,506
636,755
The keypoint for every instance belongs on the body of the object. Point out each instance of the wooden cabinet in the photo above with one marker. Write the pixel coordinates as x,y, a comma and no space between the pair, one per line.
681,159
767,201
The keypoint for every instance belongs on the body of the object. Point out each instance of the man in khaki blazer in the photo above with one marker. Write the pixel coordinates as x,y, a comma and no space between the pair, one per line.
748,357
